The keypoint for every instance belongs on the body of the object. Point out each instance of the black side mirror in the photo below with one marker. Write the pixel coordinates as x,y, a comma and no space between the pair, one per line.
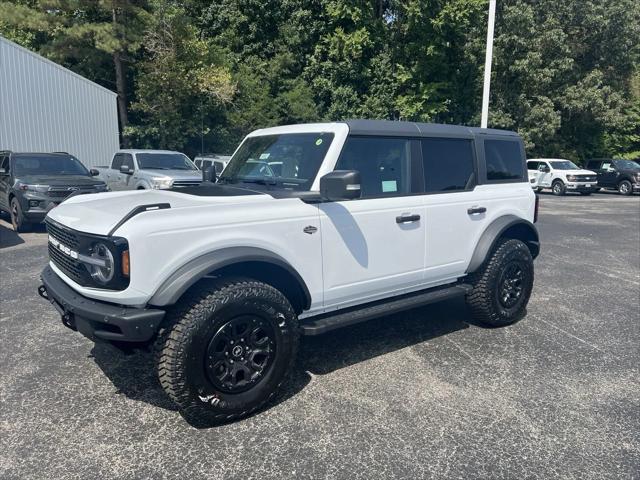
209,174
125,169
340,185
94,172
547,169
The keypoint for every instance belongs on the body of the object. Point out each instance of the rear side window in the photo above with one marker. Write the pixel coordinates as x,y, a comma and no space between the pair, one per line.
384,164
503,160
448,164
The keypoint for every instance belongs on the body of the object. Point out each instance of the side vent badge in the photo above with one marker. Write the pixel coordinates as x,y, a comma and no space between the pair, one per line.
310,229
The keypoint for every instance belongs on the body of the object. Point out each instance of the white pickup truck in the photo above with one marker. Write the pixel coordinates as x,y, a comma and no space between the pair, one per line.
309,228
149,169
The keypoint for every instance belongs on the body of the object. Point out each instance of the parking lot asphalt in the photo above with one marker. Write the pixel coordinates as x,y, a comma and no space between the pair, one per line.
422,394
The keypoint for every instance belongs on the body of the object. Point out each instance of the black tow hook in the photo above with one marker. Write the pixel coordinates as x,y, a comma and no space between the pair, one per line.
42,291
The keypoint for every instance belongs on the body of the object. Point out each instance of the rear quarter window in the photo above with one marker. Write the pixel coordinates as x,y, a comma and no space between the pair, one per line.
503,159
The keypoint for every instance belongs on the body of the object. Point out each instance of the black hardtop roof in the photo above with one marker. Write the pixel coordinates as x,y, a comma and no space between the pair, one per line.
392,128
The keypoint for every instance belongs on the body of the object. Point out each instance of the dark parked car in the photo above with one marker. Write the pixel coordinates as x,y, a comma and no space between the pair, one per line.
622,175
31,184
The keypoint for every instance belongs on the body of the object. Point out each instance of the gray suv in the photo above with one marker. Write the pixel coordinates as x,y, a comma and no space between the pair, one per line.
31,184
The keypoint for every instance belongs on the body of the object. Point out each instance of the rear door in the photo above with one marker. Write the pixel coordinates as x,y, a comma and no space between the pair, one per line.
374,245
455,208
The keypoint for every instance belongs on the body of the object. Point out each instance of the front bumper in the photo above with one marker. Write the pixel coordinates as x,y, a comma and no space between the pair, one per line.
98,320
582,187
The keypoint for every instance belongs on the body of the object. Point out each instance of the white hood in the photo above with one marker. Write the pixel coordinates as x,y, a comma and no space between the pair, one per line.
99,213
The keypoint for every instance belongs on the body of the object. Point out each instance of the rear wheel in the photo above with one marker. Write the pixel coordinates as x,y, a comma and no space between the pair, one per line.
502,286
558,188
225,349
625,187
17,217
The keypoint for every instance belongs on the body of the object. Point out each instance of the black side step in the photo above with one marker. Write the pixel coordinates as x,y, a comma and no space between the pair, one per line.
341,318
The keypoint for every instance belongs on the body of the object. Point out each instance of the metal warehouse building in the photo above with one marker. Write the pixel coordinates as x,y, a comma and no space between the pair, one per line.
47,108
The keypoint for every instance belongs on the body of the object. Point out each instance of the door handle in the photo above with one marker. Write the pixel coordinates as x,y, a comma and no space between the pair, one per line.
407,218
474,210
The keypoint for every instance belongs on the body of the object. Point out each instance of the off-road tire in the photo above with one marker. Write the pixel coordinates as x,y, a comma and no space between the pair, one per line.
625,187
17,217
186,333
558,188
484,301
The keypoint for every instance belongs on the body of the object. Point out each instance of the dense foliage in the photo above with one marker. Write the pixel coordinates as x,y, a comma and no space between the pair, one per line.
197,75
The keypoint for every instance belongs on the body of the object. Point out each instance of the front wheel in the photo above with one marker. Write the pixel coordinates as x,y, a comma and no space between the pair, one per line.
17,217
625,187
558,188
225,349
502,286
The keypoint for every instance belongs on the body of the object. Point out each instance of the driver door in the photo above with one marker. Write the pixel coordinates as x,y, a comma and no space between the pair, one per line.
375,244
609,174
4,182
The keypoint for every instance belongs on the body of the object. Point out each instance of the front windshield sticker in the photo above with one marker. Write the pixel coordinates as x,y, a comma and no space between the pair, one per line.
389,186
264,156
319,142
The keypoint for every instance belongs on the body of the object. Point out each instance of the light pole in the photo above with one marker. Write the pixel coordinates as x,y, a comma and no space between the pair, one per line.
487,64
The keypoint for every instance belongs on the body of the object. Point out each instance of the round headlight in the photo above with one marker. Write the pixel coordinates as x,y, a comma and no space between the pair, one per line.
102,274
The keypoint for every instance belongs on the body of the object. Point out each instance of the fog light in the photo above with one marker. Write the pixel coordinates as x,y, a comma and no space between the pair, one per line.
34,203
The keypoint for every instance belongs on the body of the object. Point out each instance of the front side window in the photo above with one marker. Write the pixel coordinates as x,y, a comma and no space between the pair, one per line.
564,165
289,161
117,161
532,165
127,161
383,163
503,160
607,167
43,164
448,164
164,161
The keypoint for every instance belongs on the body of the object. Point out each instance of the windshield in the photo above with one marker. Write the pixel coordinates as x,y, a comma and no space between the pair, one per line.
626,165
164,161
564,165
289,161
43,164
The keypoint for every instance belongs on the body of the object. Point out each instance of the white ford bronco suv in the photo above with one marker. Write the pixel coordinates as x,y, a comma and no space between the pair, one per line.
359,219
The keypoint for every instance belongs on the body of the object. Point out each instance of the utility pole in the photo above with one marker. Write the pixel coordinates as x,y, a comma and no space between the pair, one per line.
487,64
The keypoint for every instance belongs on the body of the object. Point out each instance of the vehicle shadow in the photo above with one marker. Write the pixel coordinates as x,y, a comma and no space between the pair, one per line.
133,374
8,237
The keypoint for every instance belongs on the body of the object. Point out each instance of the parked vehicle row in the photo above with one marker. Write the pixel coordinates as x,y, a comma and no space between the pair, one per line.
31,184
562,176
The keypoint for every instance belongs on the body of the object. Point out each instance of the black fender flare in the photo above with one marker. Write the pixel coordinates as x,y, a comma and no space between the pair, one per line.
494,231
187,275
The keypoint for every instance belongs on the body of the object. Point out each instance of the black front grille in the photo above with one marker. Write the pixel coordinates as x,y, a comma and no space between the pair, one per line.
65,236
586,178
70,267
186,183
59,193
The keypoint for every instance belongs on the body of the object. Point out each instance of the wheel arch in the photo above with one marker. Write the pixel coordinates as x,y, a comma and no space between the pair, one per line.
508,226
253,262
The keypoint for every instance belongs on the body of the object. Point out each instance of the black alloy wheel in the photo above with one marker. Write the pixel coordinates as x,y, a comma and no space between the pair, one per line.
510,285
240,353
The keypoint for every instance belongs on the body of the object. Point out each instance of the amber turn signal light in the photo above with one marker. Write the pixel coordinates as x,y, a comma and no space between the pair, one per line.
125,263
